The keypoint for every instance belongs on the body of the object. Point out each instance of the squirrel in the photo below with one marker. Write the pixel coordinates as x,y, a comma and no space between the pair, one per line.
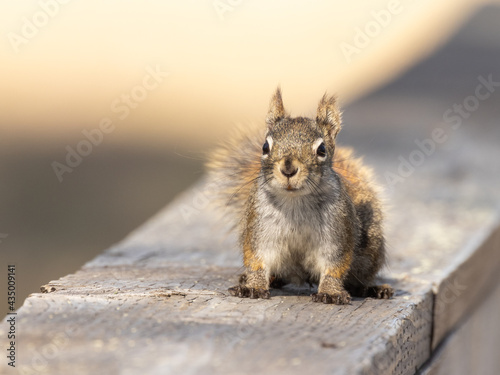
306,210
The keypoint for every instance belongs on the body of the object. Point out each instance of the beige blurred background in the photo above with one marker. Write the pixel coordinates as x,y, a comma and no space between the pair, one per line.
169,79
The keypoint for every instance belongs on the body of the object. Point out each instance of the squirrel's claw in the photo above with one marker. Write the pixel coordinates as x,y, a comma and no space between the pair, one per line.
340,298
244,292
384,291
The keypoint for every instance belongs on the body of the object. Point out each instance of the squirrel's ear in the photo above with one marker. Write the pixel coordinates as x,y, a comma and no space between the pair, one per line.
276,109
329,116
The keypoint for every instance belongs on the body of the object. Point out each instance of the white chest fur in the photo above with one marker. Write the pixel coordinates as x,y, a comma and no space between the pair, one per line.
293,236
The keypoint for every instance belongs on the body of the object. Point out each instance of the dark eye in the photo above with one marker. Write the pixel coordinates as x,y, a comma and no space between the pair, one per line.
321,151
265,148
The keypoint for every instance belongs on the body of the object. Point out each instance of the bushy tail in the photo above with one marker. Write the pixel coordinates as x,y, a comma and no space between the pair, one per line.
233,168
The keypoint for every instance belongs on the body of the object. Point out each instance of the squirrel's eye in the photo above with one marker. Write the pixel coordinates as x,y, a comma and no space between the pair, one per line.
265,148
321,151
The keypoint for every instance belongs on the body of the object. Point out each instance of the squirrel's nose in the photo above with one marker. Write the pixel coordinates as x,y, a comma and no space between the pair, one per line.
290,173
290,170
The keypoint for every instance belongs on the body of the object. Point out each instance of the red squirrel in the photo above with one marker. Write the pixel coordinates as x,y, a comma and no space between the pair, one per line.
307,210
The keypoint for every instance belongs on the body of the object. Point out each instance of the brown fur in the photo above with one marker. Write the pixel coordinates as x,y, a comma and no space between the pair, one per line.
358,181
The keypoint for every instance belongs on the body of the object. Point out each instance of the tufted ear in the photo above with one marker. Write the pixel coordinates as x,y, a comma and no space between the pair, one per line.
329,116
276,109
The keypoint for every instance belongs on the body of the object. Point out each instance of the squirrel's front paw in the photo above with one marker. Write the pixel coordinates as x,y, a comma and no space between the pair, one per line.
338,298
244,292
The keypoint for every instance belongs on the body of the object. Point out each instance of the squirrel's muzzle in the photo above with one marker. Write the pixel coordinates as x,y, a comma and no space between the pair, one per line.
289,174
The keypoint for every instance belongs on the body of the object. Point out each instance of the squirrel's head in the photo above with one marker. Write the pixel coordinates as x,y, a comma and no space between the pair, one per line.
297,152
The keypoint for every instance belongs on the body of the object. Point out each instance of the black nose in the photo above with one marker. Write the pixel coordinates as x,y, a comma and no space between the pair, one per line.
289,172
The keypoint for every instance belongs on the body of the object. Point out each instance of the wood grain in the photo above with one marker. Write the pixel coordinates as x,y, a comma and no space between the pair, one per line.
158,301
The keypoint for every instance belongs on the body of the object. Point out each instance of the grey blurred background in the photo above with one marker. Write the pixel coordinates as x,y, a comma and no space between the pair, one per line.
412,71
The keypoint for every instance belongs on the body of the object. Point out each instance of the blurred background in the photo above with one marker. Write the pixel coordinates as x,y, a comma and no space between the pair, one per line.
107,108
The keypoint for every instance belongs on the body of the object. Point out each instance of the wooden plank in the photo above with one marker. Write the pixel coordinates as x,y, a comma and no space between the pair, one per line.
472,347
190,325
159,300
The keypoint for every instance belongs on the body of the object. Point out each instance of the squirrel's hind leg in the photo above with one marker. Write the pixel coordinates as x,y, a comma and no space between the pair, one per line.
383,291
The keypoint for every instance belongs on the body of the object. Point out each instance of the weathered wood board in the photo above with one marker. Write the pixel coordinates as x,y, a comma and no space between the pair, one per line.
157,303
